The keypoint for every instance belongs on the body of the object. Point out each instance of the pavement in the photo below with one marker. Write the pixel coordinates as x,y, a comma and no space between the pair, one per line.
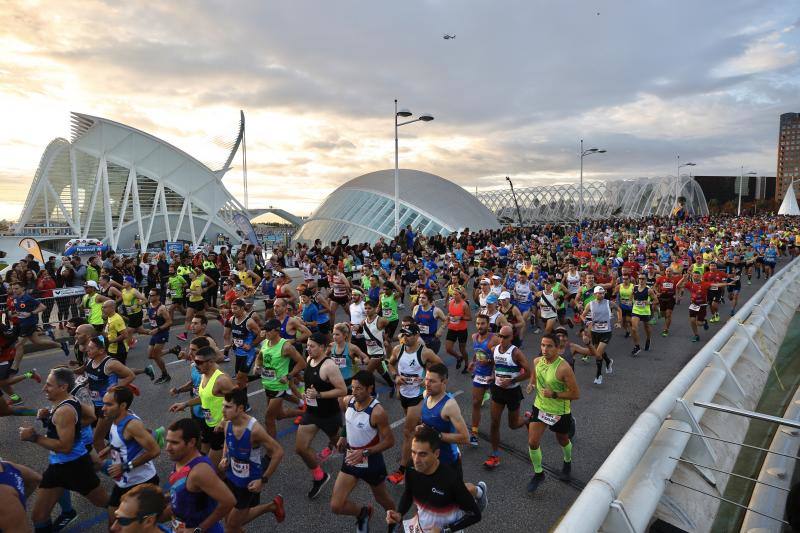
602,414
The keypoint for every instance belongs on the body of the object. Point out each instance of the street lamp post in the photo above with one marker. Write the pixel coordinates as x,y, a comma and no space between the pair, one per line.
741,186
584,153
514,195
405,113
678,178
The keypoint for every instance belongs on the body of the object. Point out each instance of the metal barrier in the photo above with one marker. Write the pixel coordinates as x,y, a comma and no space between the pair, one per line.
624,493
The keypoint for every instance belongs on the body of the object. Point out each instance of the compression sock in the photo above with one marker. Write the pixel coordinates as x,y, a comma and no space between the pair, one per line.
65,502
567,452
599,368
606,359
536,459
317,473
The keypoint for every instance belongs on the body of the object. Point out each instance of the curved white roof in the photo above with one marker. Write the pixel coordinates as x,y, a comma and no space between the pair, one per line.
363,208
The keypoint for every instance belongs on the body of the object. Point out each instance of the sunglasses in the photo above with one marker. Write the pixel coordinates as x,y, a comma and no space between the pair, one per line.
503,336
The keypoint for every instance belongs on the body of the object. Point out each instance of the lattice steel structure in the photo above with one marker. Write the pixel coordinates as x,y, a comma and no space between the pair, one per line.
634,198
112,182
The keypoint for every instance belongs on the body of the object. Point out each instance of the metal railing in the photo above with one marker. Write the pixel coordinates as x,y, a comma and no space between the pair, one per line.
625,491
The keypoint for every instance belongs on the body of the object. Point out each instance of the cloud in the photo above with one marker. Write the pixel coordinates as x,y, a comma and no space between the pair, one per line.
512,95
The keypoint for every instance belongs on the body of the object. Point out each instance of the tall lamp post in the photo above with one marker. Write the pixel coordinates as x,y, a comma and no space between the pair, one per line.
678,178
741,186
584,153
404,113
514,195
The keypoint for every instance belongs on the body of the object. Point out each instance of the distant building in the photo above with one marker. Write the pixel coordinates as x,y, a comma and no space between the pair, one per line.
788,154
725,189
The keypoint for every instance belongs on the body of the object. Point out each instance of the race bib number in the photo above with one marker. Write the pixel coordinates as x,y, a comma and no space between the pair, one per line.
238,342
694,307
311,402
371,343
94,395
667,285
177,524
455,319
240,469
363,463
412,526
499,379
548,419
207,414
424,329
482,380
387,313
641,303
153,324
341,362
195,391
411,379
600,325
624,301
268,373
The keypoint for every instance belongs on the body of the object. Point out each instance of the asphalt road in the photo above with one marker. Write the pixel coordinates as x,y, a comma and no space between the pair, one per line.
603,414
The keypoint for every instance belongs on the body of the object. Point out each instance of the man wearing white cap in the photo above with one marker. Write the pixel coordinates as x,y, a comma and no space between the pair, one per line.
512,316
600,325
497,285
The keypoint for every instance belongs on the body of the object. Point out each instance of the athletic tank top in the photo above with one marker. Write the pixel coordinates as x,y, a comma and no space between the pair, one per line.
51,431
197,378
546,379
522,293
212,405
411,369
504,365
573,283
601,316
374,337
343,360
190,508
360,431
99,381
124,450
320,407
626,295
389,307
130,303
339,287
432,416
457,312
12,477
244,461
284,333
483,372
493,327
427,322
241,335
274,366
156,320
641,301
95,309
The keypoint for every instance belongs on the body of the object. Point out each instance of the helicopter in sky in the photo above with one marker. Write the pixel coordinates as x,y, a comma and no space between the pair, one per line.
447,36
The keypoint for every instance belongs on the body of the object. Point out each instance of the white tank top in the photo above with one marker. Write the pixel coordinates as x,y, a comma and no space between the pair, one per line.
505,366
601,316
360,432
410,367
123,451
522,292
357,316
547,309
573,283
482,302
374,337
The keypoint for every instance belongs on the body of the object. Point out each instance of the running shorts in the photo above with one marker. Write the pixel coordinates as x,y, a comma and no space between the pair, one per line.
329,425
374,473
244,498
78,476
511,398
601,336
563,425
459,336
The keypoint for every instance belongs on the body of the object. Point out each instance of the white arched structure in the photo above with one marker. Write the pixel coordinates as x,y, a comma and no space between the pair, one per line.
632,198
113,182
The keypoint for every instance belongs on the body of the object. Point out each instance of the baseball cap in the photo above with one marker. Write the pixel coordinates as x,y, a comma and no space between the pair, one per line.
130,279
505,295
599,289
91,283
491,299
496,277
485,281
560,329
279,274
272,324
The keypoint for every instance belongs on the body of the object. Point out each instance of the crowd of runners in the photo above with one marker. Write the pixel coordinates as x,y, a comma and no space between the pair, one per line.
510,310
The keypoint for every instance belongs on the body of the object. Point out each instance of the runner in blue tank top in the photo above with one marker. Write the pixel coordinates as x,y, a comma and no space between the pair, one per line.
482,369
245,442
431,321
441,412
16,483
198,497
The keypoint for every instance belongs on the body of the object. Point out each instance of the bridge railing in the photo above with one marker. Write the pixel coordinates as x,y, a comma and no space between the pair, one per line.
625,491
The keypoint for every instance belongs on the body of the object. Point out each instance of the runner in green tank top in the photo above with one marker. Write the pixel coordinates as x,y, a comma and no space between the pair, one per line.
214,385
272,364
93,302
556,388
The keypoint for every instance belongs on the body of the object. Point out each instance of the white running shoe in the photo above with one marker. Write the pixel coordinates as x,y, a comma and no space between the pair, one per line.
610,366
598,380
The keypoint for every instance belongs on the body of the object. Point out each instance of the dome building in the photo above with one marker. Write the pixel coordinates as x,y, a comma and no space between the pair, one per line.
363,208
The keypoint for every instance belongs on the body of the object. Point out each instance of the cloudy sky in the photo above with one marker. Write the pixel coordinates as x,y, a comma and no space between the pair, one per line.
512,94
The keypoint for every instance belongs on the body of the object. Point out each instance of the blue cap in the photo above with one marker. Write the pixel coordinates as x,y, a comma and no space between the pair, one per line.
130,279
491,299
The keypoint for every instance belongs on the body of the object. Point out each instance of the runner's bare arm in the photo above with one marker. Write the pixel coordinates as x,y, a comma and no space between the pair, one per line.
271,446
452,412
